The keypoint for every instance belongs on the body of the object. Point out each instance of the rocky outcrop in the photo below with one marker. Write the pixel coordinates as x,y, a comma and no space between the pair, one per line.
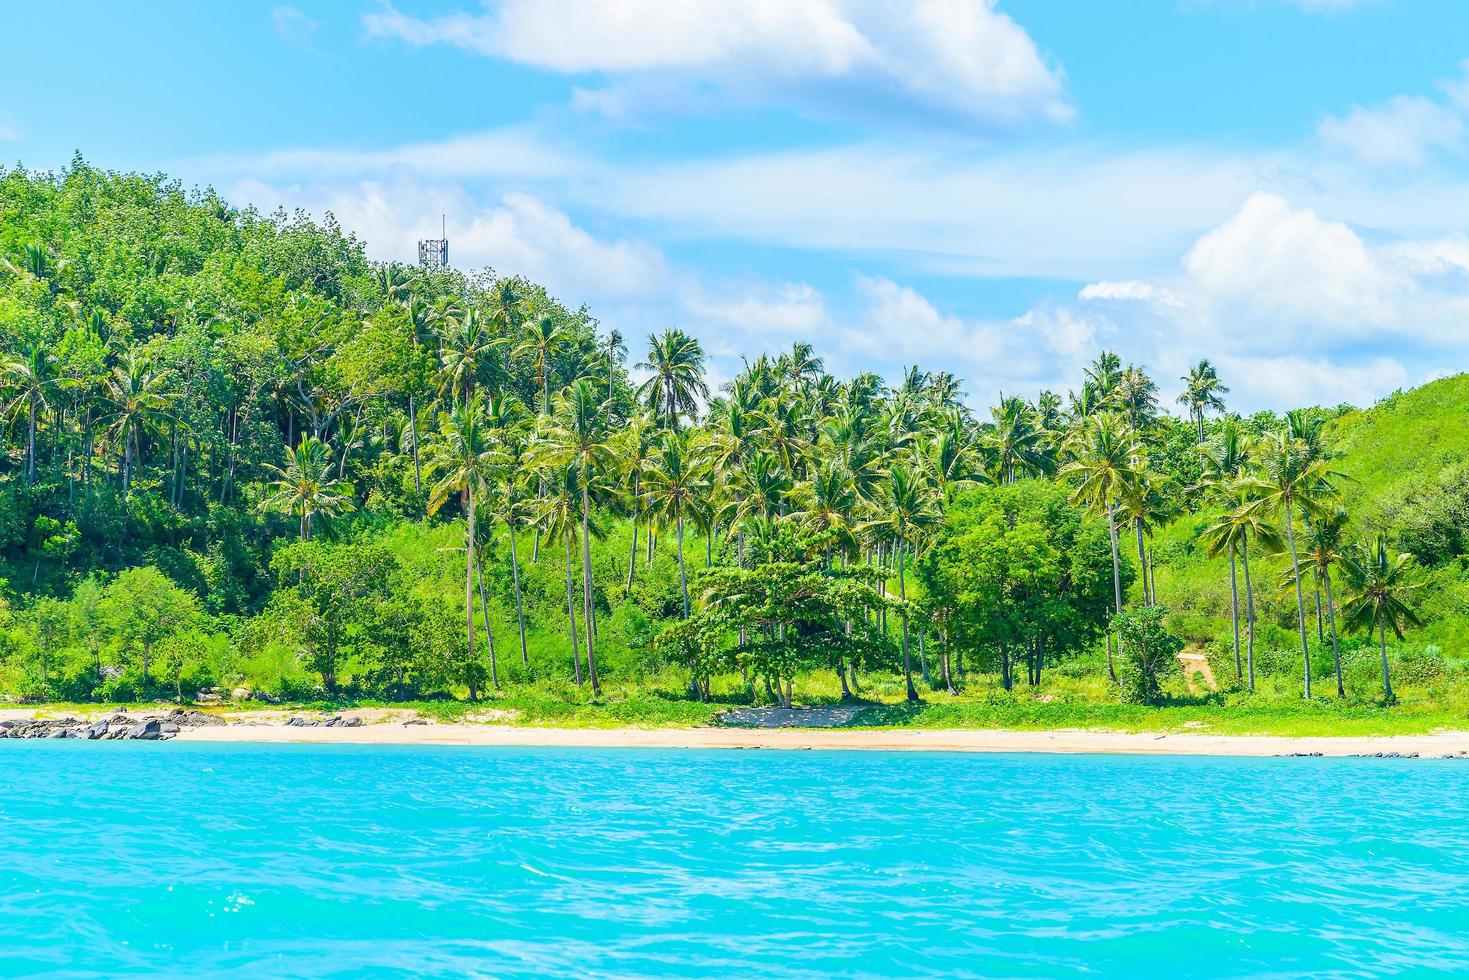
149,727
333,721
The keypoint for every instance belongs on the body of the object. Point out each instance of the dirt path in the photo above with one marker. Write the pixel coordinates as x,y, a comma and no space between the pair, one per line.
1196,670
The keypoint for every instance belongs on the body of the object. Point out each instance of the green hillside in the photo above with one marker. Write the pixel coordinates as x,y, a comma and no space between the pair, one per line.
237,455
1393,449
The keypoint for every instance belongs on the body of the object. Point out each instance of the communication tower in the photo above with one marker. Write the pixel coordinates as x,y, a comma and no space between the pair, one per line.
433,253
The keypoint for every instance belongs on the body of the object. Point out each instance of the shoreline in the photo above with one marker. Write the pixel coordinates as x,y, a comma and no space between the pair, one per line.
1060,741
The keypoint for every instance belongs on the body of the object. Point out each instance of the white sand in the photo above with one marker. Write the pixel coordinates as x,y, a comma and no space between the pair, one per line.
914,740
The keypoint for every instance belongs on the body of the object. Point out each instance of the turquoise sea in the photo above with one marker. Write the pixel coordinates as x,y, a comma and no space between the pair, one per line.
336,861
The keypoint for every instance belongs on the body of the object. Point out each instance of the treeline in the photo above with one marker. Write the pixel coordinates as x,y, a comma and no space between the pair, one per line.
239,452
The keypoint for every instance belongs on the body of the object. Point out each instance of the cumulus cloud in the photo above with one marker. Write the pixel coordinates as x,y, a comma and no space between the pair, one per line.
516,233
963,57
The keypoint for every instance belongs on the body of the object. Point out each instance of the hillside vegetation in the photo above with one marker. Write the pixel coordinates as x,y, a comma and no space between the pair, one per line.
241,458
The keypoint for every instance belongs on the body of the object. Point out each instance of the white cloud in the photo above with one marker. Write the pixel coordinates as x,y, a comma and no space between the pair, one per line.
1127,289
515,234
1403,131
962,57
294,27
1290,262
510,152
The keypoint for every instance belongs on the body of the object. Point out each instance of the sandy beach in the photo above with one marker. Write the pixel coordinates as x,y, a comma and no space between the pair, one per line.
907,740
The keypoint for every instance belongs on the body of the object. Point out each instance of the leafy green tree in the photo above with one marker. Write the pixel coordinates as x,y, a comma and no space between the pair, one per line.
1152,651
1232,532
141,607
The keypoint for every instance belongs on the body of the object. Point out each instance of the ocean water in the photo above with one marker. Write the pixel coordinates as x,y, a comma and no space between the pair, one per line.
338,861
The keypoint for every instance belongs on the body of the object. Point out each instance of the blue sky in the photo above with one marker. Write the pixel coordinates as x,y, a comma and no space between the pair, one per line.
998,189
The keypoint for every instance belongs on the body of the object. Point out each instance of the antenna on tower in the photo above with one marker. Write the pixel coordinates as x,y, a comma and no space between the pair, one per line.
433,253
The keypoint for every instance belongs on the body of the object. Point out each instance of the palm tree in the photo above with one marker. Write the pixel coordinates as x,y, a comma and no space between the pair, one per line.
1378,588
827,502
304,487
576,436
1325,538
461,347
540,341
461,462
1289,482
557,517
138,406
505,415
1203,392
677,487
1232,532
31,379
1015,443
632,449
677,362
613,349
905,511
1225,459
1105,470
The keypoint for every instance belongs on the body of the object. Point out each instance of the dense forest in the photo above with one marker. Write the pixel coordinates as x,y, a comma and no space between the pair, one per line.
240,456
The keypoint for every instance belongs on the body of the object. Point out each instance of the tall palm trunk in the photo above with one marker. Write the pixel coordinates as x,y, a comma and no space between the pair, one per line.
1244,558
484,604
31,447
515,577
632,558
1295,568
1382,648
1142,562
413,438
1234,613
1116,585
586,576
903,597
1341,691
469,585
683,578
571,611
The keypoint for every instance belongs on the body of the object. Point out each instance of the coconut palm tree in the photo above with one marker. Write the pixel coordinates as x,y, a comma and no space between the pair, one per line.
30,381
677,487
1378,589
1203,392
1291,483
505,416
1225,459
1016,445
828,502
576,436
557,515
461,462
904,511
304,487
1232,532
677,362
1324,549
632,449
463,346
139,406
1105,471
612,349
540,341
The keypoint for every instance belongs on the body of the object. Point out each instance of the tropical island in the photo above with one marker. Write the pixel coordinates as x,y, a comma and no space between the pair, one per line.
249,469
